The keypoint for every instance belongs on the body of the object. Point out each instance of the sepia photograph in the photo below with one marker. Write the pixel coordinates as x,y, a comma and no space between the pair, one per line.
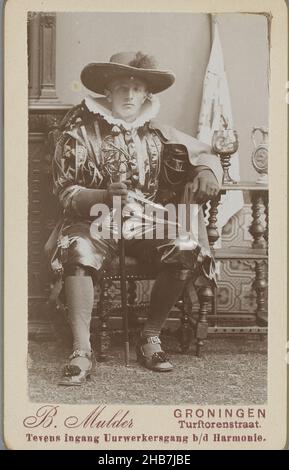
152,109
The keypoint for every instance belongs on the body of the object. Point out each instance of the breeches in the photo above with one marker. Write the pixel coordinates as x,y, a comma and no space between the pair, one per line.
78,247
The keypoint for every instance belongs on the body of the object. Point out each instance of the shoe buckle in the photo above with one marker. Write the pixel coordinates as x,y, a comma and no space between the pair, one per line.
80,353
154,340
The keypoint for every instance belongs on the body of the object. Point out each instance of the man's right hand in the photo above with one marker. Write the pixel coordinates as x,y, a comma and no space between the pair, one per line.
116,189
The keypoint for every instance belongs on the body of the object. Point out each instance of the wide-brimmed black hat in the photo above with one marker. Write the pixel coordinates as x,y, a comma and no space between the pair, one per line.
96,76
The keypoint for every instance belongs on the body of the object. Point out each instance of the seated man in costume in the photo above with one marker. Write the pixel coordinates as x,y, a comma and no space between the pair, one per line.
111,147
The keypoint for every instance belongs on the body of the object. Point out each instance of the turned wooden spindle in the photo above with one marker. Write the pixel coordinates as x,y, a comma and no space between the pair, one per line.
260,285
185,330
257,229
212,228
266,211
205,295
131,301
131,291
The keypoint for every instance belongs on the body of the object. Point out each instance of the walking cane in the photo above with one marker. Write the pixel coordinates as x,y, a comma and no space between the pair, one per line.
115,176
124,299
123,293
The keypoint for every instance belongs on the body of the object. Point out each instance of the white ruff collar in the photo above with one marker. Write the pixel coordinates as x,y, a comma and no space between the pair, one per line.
101,106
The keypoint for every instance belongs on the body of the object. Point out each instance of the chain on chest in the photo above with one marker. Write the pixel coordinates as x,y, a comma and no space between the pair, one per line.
131,155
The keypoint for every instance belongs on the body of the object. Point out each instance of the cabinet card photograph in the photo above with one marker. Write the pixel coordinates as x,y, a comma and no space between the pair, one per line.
145,225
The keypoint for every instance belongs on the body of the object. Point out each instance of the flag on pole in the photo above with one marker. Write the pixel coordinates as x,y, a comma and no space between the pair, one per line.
216,103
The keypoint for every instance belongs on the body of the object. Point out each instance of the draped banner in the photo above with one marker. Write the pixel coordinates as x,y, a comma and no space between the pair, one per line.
215,104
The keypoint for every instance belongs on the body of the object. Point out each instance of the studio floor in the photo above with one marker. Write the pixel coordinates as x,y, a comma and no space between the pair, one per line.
233,371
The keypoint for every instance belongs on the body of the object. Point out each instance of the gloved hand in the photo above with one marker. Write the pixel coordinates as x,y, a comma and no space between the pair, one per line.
204,186
83,200
116,189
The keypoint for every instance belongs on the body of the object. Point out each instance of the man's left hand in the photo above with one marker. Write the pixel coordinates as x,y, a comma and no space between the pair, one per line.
204,187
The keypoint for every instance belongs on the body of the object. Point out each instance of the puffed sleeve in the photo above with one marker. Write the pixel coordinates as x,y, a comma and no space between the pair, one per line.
65,182
74,175
200,154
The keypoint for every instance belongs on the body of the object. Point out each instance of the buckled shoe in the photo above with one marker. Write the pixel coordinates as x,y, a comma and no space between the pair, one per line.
74,375
150,354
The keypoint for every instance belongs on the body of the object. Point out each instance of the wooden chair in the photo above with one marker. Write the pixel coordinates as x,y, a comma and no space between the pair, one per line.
188,327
